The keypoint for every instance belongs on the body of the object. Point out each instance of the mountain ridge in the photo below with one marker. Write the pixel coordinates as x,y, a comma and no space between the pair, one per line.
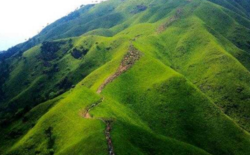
174,75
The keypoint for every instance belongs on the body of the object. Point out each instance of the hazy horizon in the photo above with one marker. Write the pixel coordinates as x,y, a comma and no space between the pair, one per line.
20,21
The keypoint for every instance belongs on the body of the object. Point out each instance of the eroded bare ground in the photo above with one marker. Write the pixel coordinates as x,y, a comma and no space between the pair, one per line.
108,128
108,136
86,114
128,61
165,25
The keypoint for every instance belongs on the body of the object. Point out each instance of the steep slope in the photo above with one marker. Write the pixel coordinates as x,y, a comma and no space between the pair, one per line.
89,132
60,52
141,77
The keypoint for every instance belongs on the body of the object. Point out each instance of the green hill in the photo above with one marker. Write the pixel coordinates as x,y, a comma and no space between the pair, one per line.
131,78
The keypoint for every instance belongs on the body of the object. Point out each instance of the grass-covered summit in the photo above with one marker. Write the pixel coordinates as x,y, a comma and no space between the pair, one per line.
131,77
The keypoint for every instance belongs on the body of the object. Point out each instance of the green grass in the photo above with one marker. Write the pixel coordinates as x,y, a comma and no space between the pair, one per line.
187,94
173,108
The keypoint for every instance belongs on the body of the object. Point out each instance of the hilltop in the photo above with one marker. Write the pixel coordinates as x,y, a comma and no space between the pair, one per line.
131,77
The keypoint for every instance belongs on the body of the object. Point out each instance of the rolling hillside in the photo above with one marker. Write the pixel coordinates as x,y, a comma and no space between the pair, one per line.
125,77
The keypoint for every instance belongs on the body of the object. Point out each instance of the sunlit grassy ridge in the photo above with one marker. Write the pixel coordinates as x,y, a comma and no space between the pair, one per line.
188,92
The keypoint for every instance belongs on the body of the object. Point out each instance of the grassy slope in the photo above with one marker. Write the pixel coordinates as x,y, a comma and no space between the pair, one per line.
30,74
24,124
27,71
176,114
77,135
209,69
190,74
173,108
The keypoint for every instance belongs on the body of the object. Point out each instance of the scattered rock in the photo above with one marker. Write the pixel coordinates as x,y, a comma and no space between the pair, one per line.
108,123
128,61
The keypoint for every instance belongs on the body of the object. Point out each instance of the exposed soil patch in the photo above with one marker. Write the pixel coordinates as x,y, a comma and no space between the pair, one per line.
128,61
164,26
108,128
108,136
86,113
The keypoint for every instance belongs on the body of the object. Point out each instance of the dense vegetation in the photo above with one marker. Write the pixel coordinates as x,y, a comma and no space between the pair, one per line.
138,77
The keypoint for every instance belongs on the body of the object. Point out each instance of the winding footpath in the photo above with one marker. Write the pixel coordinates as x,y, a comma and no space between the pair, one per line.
108,126
128,61
108,136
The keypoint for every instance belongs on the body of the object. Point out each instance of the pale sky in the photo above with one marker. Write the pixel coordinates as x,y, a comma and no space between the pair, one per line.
22,19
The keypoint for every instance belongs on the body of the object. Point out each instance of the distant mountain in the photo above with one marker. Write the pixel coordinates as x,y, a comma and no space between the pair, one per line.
129,77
